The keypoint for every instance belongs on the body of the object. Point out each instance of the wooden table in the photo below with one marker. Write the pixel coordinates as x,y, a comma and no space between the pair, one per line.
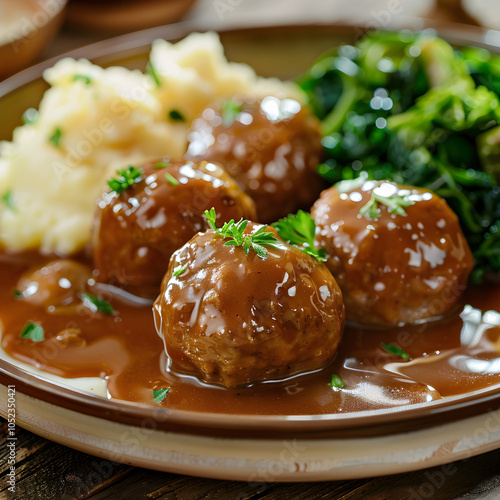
45,470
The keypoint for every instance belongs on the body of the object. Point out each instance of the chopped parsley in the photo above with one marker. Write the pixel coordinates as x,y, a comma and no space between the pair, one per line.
394,203
298,231
171,179
349,185
83,78
32,331
234,230
17,294
397,351
176,116
336,382
179,270
151,71
55,138
7,199
30,116
96,304
230,110
126,179
162,164
160,394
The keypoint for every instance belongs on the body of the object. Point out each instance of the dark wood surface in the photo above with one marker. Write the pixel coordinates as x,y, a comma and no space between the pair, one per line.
45,470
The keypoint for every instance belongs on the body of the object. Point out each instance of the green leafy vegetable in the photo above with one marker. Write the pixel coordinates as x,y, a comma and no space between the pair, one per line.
395,205
30,116
230,110
32,331
126,179
151,71
336,382
160,394
8,200
171,179
176,116
82,78
409,108
397,351
55,138
299,230
234,230
179,270
96,304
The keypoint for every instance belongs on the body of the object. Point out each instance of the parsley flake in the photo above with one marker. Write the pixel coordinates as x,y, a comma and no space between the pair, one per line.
230,110
30,116
162,164
336,382
151,71
32,331
394,204
234,230
171,179
7,199
160,394
179,270
176,116
83,78
126,179
298,231
96,304
55,138
397,351
348,185
17,294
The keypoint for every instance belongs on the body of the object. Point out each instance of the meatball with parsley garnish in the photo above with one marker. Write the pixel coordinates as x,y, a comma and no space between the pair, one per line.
239,305
152,211
270,147
397,252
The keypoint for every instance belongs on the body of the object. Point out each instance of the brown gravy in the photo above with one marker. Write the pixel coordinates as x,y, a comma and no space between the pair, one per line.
126,349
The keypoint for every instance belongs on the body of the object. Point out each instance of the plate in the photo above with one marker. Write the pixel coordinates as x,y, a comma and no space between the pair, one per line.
247,447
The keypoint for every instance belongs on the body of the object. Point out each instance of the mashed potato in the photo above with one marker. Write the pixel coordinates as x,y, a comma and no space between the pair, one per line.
93,121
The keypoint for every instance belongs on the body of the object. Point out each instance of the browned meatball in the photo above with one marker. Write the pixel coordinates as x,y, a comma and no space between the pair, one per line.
392,269
271,148
234,319
56,285
137,231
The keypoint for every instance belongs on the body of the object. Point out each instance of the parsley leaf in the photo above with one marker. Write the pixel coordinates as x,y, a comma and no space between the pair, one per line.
95,303
336,382
30,116
178,271
171,179
234,230
230,110
394,203
176,116
397,351
162,164
32,331
151,71
298,231
84,78
127,178
7,199
160,394
55,138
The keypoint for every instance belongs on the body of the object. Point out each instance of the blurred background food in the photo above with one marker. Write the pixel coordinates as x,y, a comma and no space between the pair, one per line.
28,27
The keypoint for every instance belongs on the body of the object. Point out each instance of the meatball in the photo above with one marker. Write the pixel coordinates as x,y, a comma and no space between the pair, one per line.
56,285
271,148
393,268
137,231
235,319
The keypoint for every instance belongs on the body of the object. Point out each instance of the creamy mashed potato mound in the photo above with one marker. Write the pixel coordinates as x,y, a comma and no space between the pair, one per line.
93,121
